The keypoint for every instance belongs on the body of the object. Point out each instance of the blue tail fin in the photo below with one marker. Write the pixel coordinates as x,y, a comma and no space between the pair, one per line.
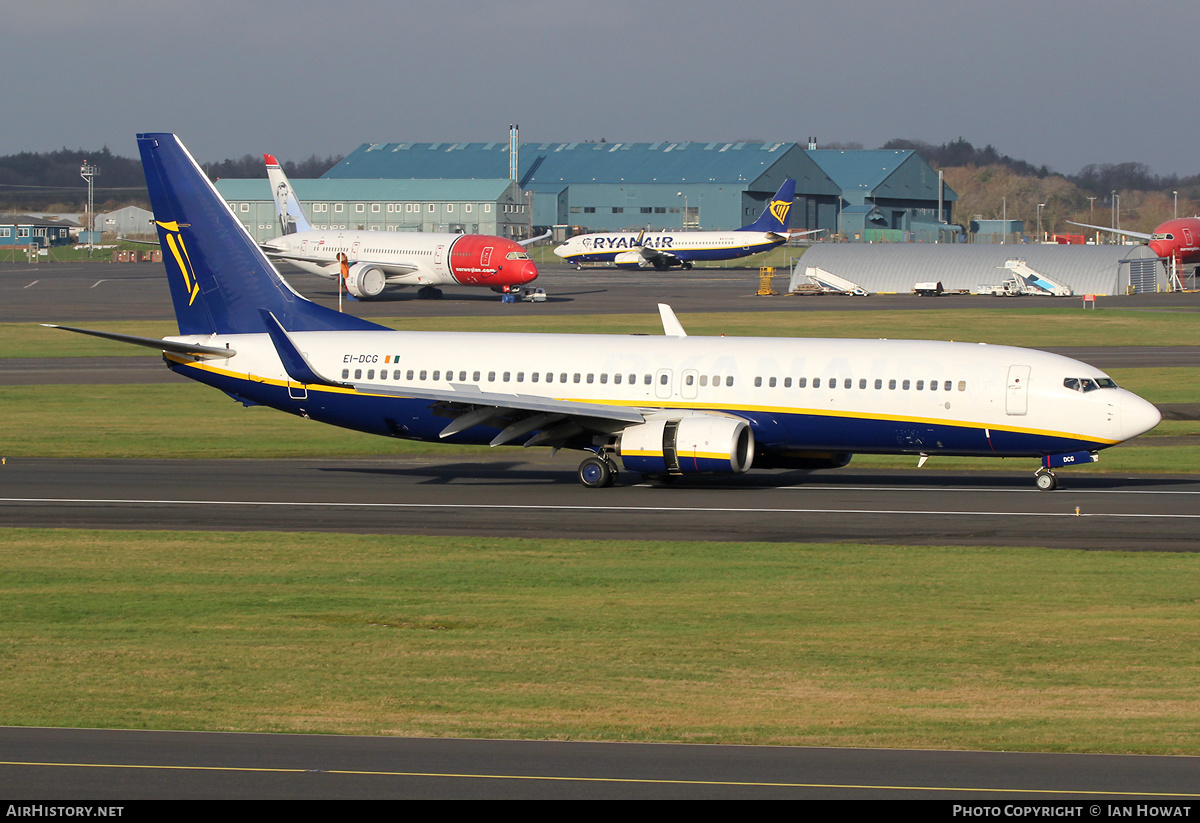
775,215
219,278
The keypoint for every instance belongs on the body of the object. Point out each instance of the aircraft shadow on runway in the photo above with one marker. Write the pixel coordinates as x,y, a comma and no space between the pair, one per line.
520,473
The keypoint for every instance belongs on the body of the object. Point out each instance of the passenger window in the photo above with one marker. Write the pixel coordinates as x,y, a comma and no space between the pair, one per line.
562,378
920,385
905,385
802,383
878,384
591,377
604,378
577,377
771,382
475,376
436,374
345,374
424,374
847,383
757,382
507,376
962,385
946,386
491,377
462,377
787,382
816,382
662,380
617,378
933,385
892,385
729,380
549,377
534,377
520,377
649,379
410,375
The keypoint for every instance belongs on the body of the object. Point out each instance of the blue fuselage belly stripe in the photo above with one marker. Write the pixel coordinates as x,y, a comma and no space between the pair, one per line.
775,432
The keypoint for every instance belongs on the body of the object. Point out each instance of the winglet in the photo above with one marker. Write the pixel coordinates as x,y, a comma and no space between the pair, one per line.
671,325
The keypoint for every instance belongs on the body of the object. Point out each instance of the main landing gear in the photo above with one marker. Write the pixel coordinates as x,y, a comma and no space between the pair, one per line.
429,293
597,472
1045,479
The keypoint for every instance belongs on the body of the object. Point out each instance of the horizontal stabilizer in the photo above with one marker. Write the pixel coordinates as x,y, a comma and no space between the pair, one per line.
152,343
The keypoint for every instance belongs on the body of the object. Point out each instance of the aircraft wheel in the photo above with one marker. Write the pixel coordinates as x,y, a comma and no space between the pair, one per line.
1046,481
687,266
595,473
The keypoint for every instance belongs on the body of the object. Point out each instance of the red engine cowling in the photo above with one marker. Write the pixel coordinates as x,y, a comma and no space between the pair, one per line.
706,444
365,281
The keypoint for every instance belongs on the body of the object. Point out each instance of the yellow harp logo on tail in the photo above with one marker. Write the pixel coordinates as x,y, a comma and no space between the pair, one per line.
179,250
779,209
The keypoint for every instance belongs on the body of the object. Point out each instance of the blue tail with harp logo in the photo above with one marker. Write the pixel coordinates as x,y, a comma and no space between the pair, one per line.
220,280
775,215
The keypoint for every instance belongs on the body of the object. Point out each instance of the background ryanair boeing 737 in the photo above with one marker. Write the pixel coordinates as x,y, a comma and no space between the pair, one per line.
666,249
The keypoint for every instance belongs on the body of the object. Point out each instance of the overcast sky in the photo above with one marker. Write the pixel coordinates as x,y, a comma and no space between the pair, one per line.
1063,84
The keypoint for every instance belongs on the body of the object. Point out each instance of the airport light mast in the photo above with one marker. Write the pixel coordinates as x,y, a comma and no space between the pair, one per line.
87,171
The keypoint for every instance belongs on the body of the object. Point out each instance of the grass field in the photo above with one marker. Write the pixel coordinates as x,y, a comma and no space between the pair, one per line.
798,644
843,645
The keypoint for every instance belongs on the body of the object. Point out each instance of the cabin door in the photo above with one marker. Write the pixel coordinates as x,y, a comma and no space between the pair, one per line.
1016,399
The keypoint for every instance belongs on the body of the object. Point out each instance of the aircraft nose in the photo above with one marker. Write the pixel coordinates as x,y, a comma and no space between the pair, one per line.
562,251
1138,416
527,272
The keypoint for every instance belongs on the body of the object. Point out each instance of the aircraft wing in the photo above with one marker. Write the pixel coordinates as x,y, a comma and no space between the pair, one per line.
658,256
1137,235
467,405
533,240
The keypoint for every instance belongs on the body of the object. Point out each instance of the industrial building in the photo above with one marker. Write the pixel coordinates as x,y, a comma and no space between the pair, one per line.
898,267
864,195
483,206
27,230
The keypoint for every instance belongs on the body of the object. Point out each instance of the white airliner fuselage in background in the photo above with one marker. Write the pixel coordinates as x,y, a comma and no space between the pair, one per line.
662,250
378,259
662,406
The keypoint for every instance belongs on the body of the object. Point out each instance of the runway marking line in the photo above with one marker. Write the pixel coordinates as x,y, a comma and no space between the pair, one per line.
629,780
559,507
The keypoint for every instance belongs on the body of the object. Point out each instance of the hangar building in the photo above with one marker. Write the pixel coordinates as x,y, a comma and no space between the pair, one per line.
483,206
691,185
864,195
896,267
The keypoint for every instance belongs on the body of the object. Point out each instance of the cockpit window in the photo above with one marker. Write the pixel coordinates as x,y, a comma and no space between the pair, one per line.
1087,384
1165,236
517,255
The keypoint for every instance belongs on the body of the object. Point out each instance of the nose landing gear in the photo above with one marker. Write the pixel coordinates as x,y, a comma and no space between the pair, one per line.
1045,479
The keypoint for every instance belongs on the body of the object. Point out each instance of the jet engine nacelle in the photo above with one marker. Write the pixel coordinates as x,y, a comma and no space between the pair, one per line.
365,280
705,444
630,259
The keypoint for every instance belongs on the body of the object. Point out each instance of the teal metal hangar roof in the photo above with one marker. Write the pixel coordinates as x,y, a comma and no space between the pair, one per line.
322,189
879,172
546,163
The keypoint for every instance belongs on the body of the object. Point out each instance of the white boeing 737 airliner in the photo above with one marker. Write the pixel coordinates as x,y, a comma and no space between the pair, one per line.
661,406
